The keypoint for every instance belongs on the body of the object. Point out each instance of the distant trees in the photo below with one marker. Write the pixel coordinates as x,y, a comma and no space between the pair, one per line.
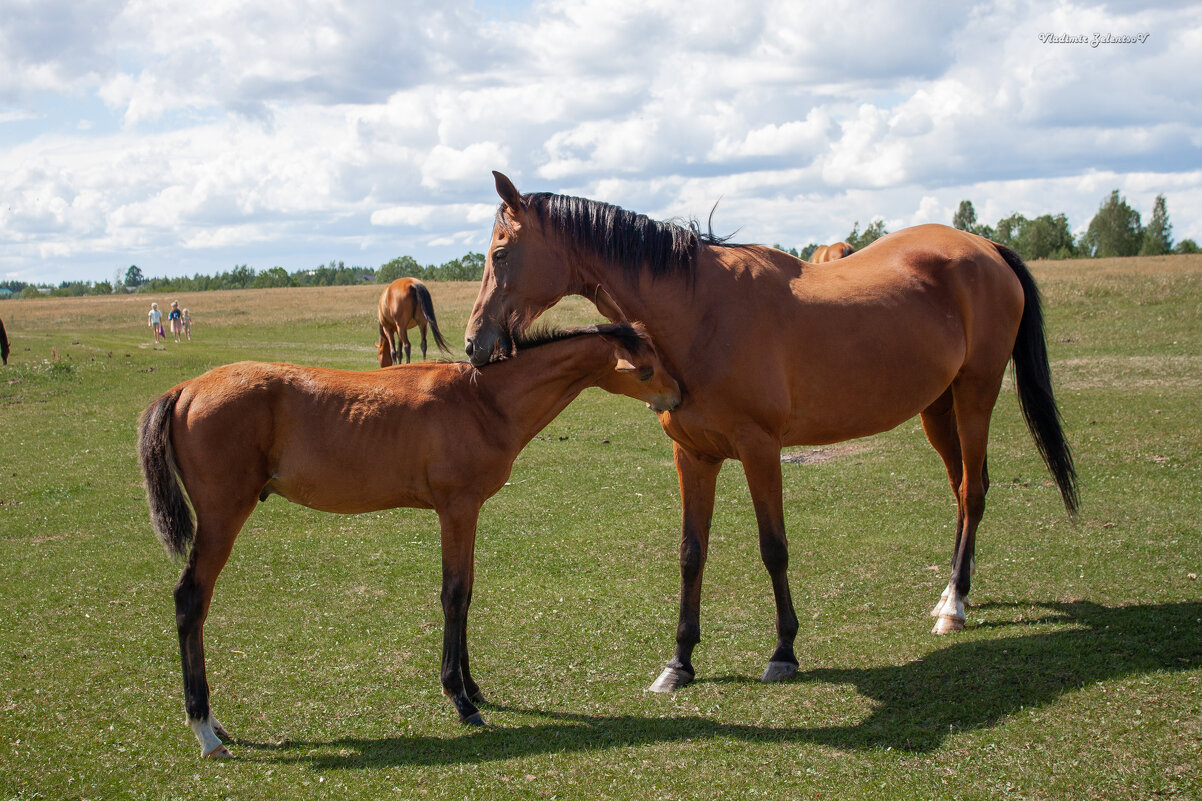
1114,231
860,240
965,219
1045,237
1158,236
133,277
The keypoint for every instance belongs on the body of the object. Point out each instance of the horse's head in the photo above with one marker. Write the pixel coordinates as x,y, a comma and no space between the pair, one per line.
384,353
525,273
638,370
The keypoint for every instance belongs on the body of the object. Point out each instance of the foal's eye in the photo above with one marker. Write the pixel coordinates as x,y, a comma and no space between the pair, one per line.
646,374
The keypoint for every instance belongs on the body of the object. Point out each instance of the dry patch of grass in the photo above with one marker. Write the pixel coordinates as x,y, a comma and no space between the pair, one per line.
1129,372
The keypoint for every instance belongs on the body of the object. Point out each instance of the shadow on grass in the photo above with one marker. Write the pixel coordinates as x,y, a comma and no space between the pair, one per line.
964,686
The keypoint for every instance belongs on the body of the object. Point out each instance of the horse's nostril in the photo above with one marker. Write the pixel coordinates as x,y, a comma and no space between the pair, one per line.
468,346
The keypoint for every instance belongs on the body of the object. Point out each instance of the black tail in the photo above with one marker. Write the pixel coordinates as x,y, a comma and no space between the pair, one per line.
423,299
1033,377
169,513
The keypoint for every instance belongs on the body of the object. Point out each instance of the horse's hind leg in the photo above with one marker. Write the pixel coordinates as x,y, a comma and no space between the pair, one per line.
402,335
422,327
972,408
939,423
193,594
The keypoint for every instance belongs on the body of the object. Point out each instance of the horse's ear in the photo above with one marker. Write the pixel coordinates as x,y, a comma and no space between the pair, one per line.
608,306
508,192
625,366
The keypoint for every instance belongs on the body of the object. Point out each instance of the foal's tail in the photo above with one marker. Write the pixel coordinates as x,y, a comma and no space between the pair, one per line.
423,300
169,513
1033,377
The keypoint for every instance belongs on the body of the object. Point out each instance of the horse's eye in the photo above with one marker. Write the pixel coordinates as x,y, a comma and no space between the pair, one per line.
646,374
500,254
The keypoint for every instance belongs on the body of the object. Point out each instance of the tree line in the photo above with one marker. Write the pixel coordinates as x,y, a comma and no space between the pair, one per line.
465,268
1116,230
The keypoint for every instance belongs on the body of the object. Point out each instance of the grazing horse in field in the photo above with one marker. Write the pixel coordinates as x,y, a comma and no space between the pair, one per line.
439,436
826,253
771,351
4,346
405,304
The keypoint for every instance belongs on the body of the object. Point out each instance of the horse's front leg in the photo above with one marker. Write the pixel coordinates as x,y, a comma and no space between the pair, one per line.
761,463
698,478
458,573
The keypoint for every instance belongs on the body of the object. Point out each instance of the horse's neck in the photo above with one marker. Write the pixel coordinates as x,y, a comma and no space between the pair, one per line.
538,384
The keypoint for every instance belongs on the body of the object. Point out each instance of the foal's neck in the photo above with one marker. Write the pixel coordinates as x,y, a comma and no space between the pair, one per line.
533,387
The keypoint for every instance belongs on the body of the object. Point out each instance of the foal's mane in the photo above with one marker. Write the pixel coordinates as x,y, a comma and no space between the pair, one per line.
630,337
625,239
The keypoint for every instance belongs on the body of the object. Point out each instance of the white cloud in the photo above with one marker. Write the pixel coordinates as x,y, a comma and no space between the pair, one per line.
289,132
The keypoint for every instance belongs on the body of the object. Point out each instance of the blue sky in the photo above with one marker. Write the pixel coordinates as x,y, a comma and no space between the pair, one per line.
292,133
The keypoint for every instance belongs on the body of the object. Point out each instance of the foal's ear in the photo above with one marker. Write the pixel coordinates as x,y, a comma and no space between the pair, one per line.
608,306
508,192
625,366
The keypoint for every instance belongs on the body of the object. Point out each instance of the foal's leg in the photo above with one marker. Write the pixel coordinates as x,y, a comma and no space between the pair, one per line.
761,463
698,478
215,536
458,573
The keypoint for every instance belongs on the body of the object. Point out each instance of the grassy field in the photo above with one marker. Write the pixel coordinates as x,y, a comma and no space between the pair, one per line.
1079,675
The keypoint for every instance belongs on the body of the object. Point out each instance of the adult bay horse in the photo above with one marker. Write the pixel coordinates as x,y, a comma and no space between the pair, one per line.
405,304
826,253
438,436
771,351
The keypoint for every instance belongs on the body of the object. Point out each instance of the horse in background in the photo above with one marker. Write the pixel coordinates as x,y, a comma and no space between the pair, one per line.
826,253
4,346
405,304
438,435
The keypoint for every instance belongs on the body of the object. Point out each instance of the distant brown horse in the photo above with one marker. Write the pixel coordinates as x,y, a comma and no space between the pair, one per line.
826,253
439,436
405,304
4,346
772,351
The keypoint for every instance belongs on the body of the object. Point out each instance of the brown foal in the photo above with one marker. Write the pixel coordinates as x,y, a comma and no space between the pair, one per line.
242,432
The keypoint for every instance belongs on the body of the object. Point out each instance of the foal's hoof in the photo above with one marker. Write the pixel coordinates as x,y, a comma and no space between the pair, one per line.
671,680
946,624
474,719
779,671
220,752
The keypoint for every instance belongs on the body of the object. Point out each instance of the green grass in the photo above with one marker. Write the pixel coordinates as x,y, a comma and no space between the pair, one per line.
1079,675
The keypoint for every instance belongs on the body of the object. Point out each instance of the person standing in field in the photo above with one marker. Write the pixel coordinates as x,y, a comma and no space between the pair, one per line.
156,323
175,318
186,319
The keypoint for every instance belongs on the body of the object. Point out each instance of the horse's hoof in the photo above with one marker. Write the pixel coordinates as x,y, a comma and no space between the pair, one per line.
779,671
671,680
219,752
219,730
475,719
477,698
946,624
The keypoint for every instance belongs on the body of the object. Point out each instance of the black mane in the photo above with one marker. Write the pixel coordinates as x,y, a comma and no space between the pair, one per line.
628,336
622,238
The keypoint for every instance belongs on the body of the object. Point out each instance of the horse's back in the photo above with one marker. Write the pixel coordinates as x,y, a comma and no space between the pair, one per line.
825,352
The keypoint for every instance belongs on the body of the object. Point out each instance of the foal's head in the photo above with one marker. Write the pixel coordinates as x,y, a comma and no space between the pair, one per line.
638,371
